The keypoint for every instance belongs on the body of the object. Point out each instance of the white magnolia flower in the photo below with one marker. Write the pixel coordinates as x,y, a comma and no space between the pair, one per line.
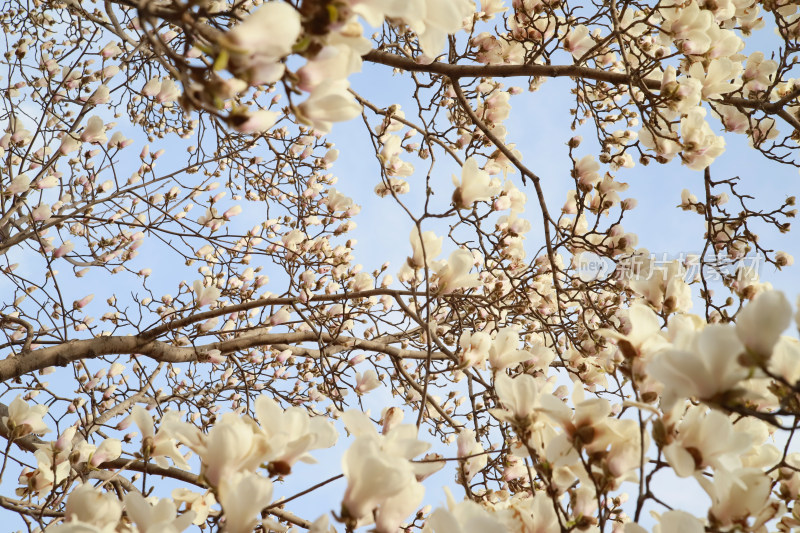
470,448
505,351
716,79
373,477
19,185
520,398
425,249
158,445
158,518
737,495
243,495
474,348
464,516
233,444
24,419
69,143
760,324
95,131
671,522
290,434
431,20
88,506
706,438
453,274
475,185
256,122
201,504
700,145
708,370
270,30
108,450
328,103
578,41
379,474
367,381
205,295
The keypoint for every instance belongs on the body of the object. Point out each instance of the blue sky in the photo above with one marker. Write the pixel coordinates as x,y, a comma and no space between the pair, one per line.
539,125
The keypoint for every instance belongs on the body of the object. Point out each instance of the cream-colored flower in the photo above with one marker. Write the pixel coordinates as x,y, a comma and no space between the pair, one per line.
475,185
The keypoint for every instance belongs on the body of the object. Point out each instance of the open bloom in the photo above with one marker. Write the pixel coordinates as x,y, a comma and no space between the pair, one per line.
243,495
475,348
379,474
505,351
462,517
158,518
707,370
475,185
760,324
453,274
95,131
328,103
425,249
161,444
706,438
90,507
291,434
205,295
261,40
24,419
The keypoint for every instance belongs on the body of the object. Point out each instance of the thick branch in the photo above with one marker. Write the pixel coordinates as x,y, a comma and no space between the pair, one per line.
505,71
61,355
565,71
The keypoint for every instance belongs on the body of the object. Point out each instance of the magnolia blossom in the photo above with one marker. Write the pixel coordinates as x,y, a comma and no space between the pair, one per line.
586,172
758,73
18,185
462,517
156,518
425,250
261,40
474,348
108,450
470,449
390,154
519,396
205,295
737,495
95,131
475,185
243,496
91,508
578,41
52,469
706,438
201,504
161,444
379,474
367,381
453,274
69,143
328,103
716,78
504,350
708,369
700,145
24,419
291,433
256,122
760,324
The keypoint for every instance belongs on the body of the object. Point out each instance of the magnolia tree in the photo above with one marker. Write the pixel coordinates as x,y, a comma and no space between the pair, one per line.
184,318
